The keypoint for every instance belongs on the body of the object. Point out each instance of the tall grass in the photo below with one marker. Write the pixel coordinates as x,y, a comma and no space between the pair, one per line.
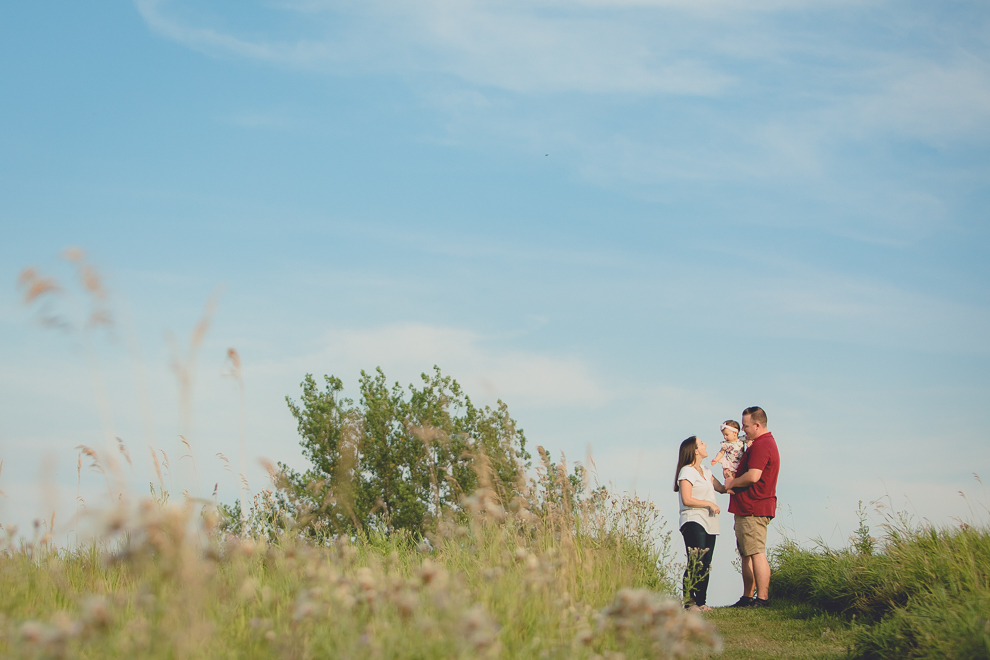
542,581
919,591
548,575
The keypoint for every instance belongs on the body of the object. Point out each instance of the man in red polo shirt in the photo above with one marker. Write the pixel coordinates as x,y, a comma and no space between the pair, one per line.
754,501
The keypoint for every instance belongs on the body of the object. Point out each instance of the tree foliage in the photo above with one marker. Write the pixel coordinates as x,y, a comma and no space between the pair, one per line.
399,458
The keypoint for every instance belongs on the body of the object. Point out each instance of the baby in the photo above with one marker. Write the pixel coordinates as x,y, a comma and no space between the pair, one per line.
731,451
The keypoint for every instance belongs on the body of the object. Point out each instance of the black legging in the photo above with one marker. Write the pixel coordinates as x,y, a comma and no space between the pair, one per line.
697,571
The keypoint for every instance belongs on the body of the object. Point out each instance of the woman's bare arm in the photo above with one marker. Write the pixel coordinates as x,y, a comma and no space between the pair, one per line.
717,485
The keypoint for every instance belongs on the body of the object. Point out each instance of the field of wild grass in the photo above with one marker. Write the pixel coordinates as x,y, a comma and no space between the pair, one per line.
917,591
164,582
479,562
415,534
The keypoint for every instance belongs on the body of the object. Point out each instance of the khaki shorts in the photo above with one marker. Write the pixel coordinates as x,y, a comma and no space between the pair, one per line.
751,535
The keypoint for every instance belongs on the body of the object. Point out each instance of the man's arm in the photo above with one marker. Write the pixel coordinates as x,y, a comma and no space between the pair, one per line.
748,479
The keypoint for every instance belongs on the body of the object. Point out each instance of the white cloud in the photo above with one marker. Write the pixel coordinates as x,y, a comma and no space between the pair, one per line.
404,350
513,47
765,95
864,312
934,102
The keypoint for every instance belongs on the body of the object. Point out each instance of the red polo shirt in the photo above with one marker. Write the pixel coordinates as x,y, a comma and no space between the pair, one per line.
760,499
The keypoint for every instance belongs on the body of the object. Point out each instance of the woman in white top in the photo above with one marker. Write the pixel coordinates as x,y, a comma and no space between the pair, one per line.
698,520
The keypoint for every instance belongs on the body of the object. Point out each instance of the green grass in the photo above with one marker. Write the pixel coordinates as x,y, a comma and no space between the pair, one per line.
488,586
917,592
586,584
785,630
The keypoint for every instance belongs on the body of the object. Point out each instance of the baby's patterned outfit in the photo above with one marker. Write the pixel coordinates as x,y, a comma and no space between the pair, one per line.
730,460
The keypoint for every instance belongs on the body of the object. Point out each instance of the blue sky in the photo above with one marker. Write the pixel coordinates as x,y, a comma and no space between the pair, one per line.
628,219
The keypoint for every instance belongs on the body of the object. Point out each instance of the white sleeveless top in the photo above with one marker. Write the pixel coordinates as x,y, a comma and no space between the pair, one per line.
701,489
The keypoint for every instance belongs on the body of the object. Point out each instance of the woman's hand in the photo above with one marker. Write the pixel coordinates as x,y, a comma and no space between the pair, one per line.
713,461
713,509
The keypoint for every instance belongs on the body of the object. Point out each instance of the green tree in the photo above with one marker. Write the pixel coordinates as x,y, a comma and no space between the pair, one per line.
329,425
400,458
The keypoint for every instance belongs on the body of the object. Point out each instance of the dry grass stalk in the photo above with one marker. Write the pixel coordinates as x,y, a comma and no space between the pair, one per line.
184,368
235,372
158,467
123,451
35,286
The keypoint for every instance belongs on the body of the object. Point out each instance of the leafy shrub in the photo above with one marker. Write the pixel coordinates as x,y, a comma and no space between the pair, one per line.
399,458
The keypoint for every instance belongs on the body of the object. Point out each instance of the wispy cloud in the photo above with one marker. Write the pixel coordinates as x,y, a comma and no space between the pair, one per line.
705,48
404,350
870,312
650,96
938,103
517,47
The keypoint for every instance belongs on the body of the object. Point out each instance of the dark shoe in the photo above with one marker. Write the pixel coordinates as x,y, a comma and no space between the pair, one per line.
744,601
759,602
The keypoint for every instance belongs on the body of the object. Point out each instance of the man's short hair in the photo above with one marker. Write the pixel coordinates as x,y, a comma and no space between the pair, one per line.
757,415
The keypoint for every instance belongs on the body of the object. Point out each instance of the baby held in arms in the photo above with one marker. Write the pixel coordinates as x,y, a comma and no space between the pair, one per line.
731,451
